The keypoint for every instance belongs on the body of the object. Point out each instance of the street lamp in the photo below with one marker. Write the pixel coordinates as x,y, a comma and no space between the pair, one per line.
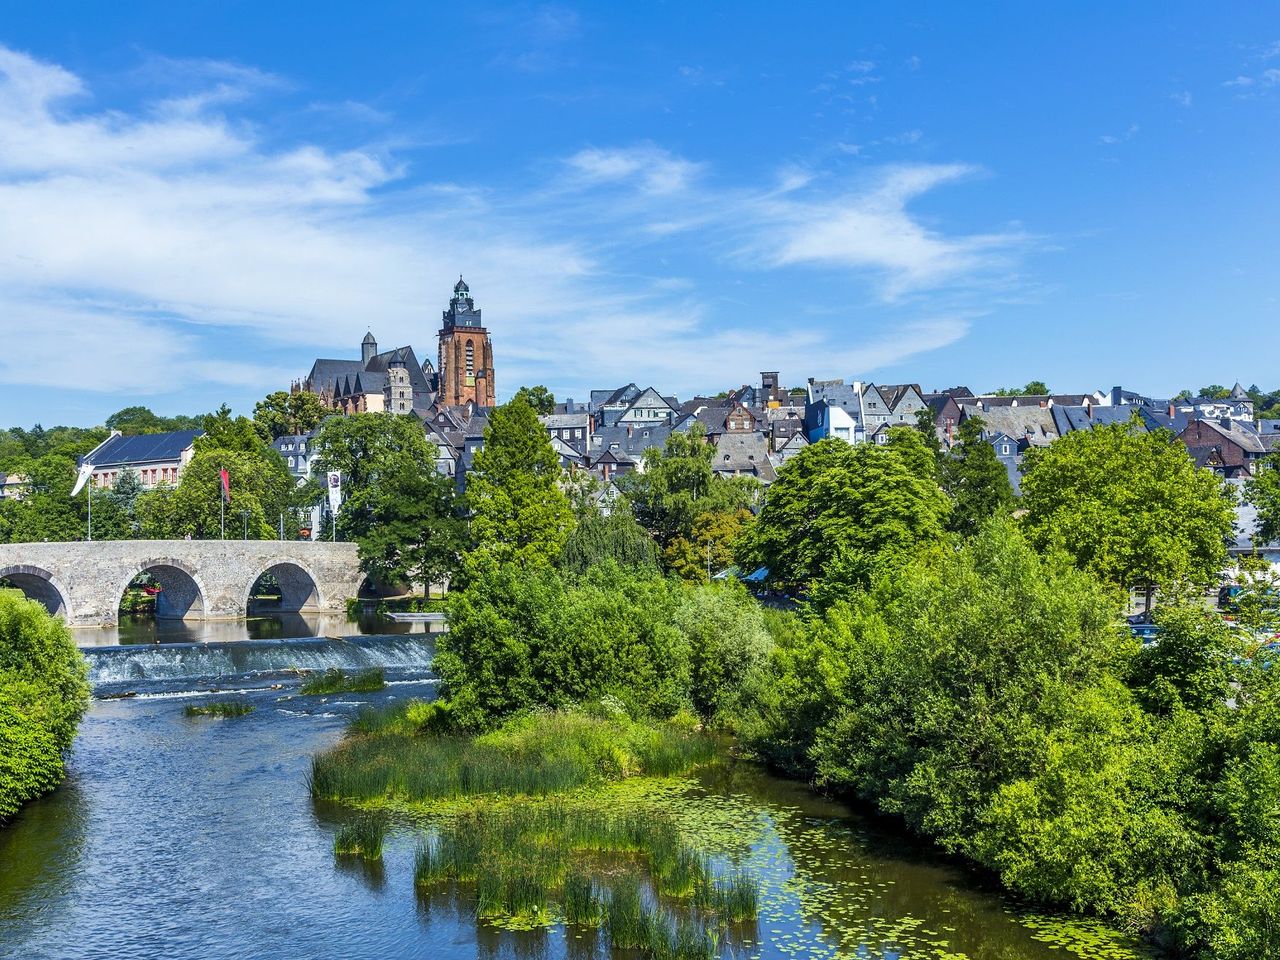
245,515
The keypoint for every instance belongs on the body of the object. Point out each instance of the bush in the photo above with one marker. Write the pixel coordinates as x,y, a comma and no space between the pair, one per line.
521,639
334,680
44,692
729,647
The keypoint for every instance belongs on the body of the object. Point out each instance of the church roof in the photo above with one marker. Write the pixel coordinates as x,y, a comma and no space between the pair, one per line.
369,338
461,286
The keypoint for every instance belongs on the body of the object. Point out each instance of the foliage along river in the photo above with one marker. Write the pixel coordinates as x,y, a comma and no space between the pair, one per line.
193,838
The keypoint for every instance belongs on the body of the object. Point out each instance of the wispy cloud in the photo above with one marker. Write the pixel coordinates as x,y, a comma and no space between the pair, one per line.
173,247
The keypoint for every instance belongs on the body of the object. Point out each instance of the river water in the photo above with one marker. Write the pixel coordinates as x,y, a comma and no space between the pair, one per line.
183,837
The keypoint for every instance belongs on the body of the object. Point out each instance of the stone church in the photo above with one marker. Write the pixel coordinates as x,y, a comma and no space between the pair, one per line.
394,381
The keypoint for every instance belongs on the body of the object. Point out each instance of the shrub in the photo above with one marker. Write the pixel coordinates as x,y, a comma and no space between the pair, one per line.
729,646
44,692
522,639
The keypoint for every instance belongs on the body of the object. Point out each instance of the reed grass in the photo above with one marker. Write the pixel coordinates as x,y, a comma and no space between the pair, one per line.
361,836
334,680
526,863
538,755
219,708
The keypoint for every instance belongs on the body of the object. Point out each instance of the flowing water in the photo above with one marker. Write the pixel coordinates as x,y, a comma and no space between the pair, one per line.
183,837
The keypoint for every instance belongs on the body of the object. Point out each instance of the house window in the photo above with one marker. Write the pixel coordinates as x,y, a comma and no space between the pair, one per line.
1005,449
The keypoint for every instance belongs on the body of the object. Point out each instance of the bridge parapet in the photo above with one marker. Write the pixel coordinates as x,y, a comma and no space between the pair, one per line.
199,579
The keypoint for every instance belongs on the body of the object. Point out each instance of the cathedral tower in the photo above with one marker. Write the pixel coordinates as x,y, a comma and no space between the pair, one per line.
466,355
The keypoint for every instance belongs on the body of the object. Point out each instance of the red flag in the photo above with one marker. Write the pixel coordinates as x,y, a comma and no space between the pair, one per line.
226,485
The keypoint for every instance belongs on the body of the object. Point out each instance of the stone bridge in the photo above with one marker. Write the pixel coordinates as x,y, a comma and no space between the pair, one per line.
198,579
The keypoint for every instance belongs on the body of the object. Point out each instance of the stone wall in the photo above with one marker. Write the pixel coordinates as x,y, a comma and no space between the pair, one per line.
200,579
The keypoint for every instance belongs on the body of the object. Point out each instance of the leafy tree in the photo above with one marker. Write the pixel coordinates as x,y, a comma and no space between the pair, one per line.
366,448
678,485
729,648
1215,391
520,515
283,413
1263,491
262,491
417,531
1128,505
837,506
540,398
523,637
44,692
1035,388
975,479
222,431
709,545
615,537
926,425
135,420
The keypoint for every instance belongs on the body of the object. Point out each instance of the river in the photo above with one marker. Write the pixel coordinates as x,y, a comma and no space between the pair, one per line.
183,837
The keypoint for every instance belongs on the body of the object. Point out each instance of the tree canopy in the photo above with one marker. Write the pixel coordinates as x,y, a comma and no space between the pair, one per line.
282,413
539,397
841,508
1128,505
519,513
975,479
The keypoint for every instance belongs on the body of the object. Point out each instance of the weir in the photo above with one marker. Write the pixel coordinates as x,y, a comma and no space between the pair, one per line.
237,658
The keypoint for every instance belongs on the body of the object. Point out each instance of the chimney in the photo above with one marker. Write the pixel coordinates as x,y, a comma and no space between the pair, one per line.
628,429
1171,409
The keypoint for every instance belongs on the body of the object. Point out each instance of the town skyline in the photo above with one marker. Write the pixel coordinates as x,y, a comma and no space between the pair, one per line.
683,198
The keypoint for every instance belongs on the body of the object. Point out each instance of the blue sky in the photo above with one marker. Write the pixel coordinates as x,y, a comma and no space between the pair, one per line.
198,199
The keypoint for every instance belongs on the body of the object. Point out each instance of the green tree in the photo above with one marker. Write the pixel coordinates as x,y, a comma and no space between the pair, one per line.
540,398
616,537
366,448
841,507
1128,505
1263,491
522,637
283,413
262,492
1215,391
135,420
417,531
520,514
729,648
975,479
43,694
709,545
678,485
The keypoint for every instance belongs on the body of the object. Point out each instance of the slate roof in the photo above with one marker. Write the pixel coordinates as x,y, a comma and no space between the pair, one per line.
631,444
1071,418
565,421
745,453
1244,437
1238,392
1034,424
122,451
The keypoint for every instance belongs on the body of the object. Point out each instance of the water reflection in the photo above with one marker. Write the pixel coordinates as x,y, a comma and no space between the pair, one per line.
274,626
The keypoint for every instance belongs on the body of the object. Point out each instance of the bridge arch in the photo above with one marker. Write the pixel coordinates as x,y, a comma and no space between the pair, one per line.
299,587
182,592
40,585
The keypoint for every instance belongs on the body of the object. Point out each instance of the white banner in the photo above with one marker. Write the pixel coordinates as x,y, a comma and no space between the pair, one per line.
86,471
335,490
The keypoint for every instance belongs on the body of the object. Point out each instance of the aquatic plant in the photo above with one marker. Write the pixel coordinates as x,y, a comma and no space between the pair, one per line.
219,708
582,907
535,755
334,680
361,836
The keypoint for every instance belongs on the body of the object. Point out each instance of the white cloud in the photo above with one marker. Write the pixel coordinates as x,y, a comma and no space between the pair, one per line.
655,170
874,230
172,247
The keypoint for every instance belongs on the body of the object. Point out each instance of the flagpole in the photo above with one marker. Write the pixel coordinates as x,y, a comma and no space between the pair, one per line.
91,509
222,503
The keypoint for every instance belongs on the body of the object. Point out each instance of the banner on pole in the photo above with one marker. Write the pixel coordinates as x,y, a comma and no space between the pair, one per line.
226,484
335,490
86,471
